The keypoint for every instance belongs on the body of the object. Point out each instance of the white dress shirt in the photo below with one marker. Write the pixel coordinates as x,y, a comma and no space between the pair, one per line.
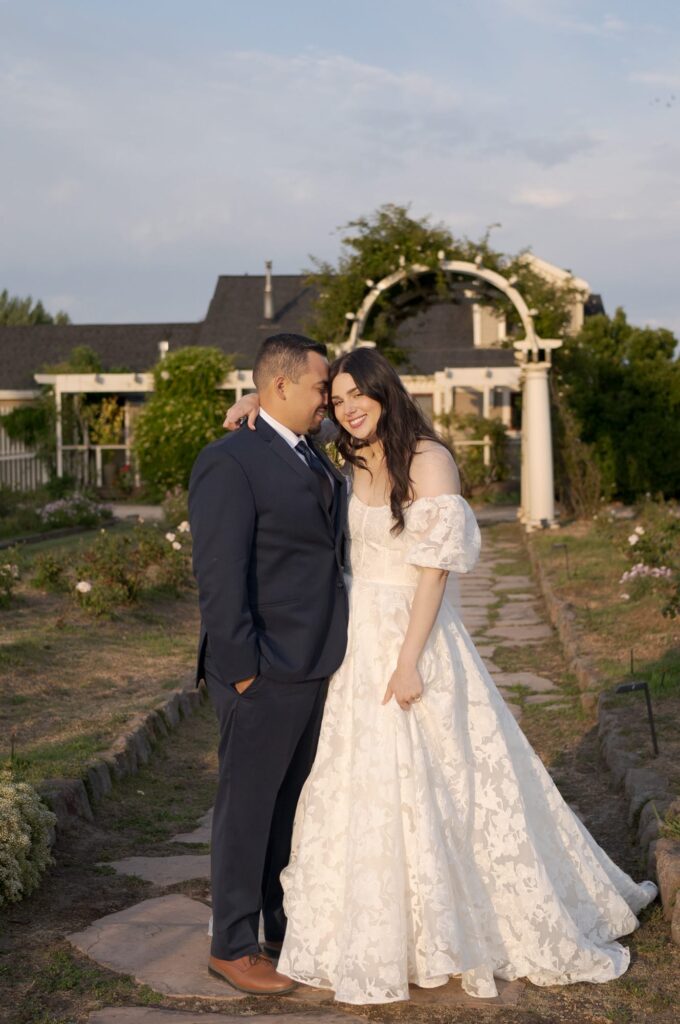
290,437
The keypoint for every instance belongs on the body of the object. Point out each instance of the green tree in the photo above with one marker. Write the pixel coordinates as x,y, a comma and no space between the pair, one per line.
81,359
623,384
184,413
17,312
377,245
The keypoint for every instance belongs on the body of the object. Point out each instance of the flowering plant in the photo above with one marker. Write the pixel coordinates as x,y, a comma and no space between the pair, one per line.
25,827
655,546
74,511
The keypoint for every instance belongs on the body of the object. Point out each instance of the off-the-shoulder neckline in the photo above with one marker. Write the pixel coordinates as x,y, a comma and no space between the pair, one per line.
434,497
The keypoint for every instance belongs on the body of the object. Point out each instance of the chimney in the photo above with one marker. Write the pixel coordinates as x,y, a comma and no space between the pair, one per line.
268,297
163,347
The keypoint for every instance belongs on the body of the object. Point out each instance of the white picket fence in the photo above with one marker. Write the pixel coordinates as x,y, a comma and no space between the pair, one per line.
20,468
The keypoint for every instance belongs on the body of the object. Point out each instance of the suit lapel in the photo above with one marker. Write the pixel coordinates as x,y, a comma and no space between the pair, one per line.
340,499
285,452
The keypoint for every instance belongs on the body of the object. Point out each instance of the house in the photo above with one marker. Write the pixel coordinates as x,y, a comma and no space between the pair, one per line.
458,357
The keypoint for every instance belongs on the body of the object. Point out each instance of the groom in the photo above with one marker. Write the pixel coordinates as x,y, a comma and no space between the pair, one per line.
267,516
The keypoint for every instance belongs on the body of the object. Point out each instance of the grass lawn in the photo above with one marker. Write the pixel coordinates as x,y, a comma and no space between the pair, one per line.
69,682
621,634
616,632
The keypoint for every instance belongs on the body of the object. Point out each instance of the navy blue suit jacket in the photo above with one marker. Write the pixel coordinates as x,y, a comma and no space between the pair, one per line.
268,558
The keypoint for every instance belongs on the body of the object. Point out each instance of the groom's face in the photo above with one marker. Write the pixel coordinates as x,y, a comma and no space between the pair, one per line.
307,397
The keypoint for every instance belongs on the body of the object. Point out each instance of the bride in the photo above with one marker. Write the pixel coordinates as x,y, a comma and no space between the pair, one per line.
429,839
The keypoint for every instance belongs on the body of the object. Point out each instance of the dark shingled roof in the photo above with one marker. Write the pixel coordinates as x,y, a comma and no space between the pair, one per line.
235,320
24,351
441,335
593,305
437,336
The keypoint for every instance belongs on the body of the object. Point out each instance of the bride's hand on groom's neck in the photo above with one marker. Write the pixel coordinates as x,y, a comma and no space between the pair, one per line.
247,408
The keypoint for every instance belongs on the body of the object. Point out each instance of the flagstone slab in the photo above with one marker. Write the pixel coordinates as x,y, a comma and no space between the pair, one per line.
519,613
513,583
519,633
452,994
474,622
155,1015
539,684
518,596
486,650
200,834
481,600
164,870
162,943
491,666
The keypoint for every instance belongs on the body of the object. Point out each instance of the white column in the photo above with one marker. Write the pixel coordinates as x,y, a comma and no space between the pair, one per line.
538,500
476,325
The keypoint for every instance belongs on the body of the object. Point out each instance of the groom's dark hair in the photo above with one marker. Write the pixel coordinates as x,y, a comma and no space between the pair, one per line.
284,354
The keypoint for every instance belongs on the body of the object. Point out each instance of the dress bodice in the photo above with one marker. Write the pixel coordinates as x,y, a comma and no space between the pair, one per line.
439,533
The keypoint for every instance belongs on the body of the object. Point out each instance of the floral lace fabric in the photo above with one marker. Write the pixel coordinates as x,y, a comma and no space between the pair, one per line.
433,842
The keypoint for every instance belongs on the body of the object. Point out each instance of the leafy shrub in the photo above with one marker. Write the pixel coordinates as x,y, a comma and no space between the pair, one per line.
25,825
9,574
184,413
176,506
470,458
50,572
119,568
47,509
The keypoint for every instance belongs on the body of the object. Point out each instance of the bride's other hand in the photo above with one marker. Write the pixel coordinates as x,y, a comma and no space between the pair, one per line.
405,685
247,407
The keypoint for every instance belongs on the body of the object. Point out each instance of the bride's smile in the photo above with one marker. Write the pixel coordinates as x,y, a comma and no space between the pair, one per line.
355,412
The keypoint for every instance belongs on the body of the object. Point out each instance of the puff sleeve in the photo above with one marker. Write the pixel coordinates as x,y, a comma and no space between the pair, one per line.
442,534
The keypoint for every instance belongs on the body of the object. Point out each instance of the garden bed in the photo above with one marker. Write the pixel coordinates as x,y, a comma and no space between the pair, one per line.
71,679
615,633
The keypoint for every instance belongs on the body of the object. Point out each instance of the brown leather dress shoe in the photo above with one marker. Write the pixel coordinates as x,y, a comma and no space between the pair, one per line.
253,974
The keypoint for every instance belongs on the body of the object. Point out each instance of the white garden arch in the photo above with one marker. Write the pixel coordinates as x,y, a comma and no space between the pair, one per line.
537,502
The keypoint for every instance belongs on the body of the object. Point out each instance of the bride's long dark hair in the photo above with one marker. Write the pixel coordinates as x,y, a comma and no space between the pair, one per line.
400,426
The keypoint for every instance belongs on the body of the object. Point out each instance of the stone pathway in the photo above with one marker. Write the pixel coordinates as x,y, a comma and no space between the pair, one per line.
162,941
504,610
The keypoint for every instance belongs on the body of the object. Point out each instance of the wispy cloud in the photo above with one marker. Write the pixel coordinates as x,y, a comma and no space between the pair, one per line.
542,197
559,15
657,79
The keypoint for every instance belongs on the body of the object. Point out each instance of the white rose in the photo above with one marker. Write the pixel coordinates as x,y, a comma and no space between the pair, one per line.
176,545
83,587
170,537
633,539
183,527
639,530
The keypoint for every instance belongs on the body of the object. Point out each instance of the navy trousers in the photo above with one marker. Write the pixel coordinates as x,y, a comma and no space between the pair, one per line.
268,739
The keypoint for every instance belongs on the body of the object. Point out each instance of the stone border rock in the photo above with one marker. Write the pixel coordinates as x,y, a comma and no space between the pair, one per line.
37,538
563,617
74,799
646,790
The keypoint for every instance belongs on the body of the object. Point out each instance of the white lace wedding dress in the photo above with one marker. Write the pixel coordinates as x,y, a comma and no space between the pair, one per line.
433,842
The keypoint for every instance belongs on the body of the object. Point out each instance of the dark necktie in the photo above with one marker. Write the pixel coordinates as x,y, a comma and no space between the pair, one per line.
316,465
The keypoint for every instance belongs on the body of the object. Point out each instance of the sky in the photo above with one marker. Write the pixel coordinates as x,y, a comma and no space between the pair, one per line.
148,146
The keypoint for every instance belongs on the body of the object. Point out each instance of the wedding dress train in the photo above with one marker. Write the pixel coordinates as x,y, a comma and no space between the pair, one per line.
433,842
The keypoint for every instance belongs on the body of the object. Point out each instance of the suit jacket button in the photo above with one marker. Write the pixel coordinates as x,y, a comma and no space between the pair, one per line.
341,585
